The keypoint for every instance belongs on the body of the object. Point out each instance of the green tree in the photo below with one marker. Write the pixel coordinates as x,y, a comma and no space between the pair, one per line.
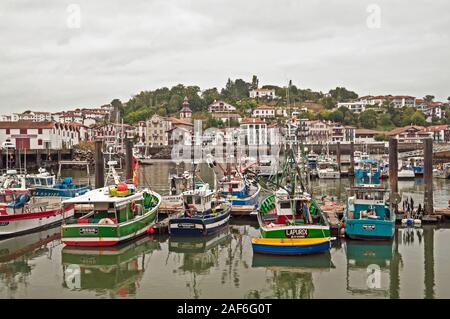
341,94
428,98
210,95
368,119
255,83
418,118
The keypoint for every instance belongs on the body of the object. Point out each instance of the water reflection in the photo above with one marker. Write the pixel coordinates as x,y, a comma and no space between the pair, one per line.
198,255
113,271
16,256
291,277
369,267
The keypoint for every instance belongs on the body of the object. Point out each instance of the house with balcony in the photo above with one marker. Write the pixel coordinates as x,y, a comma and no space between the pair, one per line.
221,107
263,93
264,112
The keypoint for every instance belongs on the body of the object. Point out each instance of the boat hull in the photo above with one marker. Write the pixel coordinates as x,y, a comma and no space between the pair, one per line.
368,229
197,226
290,246
107,235
21,224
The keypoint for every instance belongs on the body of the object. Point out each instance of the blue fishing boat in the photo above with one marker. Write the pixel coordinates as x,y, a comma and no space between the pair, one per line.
368,215
204,213
63,189
240,192
291,246
367,170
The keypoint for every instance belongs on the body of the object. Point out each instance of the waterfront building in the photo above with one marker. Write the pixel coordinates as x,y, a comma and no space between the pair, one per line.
337,133
29,135
319,132
254,131
113,133
156,130
439,133
349,134
409,134
365,136
259,93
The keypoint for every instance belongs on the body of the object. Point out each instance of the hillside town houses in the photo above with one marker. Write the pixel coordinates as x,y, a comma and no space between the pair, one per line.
59,130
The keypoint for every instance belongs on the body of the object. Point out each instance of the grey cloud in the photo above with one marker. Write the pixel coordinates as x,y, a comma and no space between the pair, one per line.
124,47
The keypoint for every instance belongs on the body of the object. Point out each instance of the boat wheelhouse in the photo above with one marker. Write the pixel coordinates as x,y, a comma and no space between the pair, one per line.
110,215
283,216
368,215
367,170
239,192
204,213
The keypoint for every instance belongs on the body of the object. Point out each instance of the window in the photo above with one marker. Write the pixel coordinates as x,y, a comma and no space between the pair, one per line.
39,142
285,205
23,131
8,131
40,131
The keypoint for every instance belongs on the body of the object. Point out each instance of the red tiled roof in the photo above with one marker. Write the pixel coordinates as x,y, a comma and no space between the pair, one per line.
364,131
435,128
252,120
404,129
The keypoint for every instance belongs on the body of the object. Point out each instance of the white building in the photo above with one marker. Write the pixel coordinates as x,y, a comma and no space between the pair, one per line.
254,131
32,116
354,107
221,106
258,93
264,111
31,135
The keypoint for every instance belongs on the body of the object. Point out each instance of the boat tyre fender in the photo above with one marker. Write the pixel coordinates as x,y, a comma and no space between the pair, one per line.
106,221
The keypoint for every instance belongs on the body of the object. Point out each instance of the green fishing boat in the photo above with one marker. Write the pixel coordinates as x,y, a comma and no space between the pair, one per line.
110,215
282,215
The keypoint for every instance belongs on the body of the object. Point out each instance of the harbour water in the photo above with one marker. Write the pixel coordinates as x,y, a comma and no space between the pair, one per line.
414,265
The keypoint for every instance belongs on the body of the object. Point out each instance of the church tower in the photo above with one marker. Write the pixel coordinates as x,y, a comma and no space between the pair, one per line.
186,112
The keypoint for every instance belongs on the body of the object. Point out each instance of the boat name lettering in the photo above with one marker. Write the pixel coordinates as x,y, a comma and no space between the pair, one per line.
184,225
369,227
88,231
4,223
296,233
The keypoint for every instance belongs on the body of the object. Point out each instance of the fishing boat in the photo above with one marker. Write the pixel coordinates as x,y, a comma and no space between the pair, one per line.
368,214
367,170
417,164
26,214
240,192
281,215
291,246
327,169
204,213
45,184
443,171
110,215
311,160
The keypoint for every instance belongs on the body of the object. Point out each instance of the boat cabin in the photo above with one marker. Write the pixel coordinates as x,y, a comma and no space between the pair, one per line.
369,201
109,205
199,200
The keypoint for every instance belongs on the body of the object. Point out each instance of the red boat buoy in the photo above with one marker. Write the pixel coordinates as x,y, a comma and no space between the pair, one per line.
150,230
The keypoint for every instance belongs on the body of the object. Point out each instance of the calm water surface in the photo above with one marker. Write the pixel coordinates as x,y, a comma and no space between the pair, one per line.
416,264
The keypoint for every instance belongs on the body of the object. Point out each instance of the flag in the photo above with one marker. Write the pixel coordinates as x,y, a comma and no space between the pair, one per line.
135,166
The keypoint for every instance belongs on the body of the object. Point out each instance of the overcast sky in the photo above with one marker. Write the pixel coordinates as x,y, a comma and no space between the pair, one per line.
123,47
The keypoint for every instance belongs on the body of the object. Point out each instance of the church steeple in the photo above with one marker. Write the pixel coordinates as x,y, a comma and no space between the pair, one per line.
186,112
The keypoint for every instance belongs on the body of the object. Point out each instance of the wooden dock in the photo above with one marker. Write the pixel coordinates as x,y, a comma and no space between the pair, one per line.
331,214
243,210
